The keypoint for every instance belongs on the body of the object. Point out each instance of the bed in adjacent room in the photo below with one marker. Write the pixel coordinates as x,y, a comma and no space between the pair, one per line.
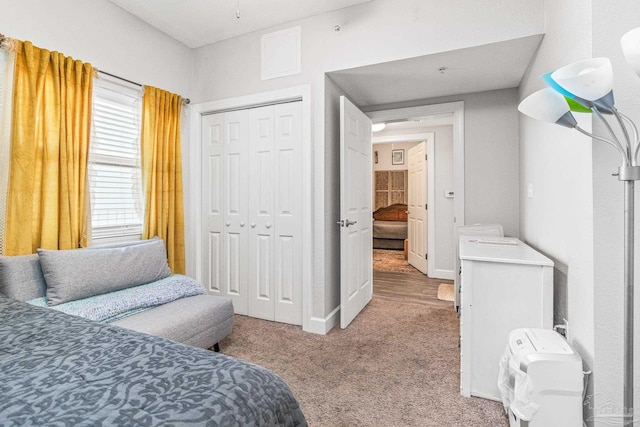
58,369
390,227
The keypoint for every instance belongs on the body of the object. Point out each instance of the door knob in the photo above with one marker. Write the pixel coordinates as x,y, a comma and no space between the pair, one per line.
253,225
348,223
268,225
242,224
228,223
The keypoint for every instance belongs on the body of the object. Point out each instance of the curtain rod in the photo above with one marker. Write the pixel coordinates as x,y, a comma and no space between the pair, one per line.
185,100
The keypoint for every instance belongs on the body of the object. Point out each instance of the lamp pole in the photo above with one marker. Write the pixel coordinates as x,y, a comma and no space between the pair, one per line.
628,174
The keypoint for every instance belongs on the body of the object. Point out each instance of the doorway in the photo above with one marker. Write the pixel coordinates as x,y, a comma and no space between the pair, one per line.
432,212
399,194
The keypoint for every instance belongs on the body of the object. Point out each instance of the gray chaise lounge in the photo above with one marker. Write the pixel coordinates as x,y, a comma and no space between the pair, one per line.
63,276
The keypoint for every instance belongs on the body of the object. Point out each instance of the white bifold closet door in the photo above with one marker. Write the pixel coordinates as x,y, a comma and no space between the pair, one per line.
252,202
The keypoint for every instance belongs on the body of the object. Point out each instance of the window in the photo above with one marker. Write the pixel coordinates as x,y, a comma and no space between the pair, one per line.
390,188
115,181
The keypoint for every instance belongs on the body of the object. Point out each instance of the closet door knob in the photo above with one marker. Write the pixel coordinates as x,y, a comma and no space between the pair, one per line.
228,223
242,224
253,225
268,225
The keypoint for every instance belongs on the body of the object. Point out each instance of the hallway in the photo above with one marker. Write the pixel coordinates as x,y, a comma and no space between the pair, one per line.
395,280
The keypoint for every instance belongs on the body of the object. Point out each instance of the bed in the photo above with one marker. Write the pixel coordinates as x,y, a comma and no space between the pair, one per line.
390,227
58,369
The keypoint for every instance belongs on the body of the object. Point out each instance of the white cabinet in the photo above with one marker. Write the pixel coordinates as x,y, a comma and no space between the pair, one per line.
252,210
503,287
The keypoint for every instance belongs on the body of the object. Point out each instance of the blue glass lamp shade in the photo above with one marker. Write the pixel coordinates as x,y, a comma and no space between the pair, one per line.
589,79
576,104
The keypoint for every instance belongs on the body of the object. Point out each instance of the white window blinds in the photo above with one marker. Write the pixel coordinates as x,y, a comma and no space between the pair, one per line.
115,182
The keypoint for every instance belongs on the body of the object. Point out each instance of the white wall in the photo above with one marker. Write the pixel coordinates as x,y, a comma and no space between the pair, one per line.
104,35
384,155
327,239
610,21
556,162
373,32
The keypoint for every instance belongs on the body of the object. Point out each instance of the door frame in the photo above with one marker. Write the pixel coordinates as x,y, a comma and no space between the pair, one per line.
192,154
415,113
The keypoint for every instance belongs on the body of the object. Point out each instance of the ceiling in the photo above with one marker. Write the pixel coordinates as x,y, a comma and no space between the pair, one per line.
197,23
406,128
475,69
481,68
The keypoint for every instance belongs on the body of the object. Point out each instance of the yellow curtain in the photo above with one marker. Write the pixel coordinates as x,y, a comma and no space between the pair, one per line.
162,172
50,132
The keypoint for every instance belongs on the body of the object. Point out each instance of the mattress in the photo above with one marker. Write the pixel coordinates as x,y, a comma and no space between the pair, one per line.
389,229
58,369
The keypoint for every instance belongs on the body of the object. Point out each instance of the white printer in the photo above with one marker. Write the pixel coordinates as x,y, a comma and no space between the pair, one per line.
541,380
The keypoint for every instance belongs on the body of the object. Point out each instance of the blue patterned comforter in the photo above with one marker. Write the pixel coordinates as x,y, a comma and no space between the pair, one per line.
126,302
61,370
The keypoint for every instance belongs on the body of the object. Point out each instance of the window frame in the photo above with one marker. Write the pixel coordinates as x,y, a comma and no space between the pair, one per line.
103,161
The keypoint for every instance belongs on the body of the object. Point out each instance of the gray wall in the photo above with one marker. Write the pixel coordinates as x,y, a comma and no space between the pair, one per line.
445,245
491,155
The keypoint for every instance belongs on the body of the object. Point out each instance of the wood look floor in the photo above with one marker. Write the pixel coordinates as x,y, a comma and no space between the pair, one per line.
411,288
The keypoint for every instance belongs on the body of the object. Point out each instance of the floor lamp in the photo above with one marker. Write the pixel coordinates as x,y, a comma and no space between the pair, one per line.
587,86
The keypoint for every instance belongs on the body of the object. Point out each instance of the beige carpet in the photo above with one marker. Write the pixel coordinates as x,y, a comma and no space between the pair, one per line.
396,365
392,261
446,292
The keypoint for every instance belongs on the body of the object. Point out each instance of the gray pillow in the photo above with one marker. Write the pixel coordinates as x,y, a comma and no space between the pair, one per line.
21,277
81,273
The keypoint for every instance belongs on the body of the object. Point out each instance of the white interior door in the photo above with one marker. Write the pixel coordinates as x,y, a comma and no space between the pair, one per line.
417,206
261,217
356,266
236,210
212,196
288,212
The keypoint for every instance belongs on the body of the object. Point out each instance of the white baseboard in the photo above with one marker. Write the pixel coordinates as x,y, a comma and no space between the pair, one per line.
443,274
322,326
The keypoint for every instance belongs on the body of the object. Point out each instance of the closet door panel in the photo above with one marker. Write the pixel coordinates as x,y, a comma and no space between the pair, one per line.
214,263
235,203
288,212
261,206
286,270
252,209
212,202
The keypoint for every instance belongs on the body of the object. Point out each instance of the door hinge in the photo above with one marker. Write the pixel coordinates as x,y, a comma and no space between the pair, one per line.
426,256
425,206
425,156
